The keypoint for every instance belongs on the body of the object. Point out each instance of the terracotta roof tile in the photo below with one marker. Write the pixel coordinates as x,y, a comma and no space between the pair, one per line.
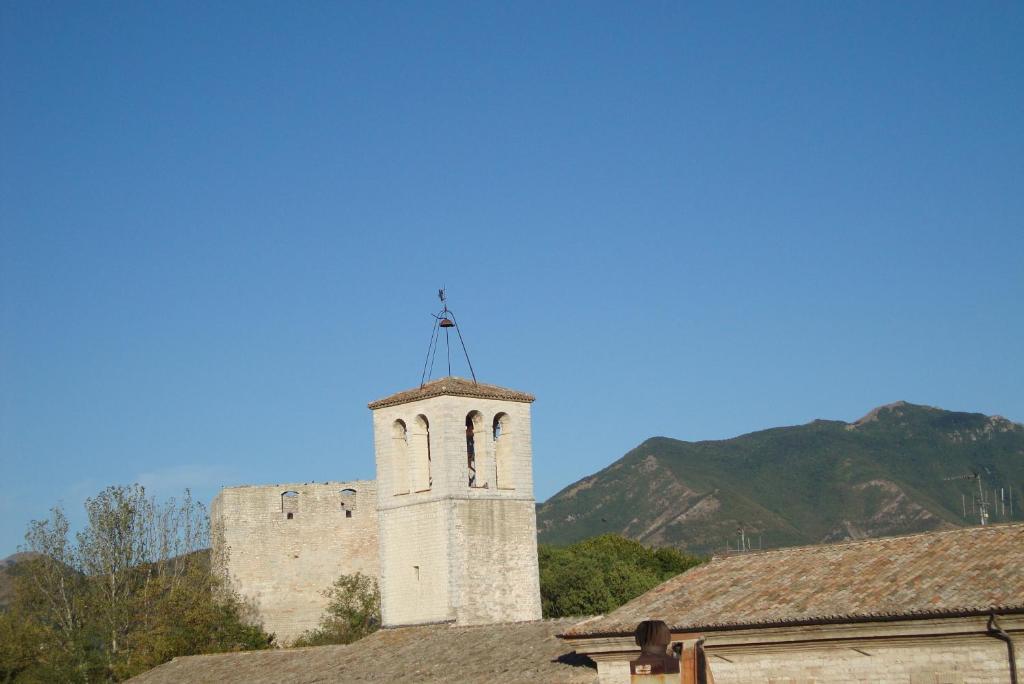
455,387
971,569
509,652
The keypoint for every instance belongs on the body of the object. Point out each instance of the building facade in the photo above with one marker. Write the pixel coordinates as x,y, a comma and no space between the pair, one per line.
931,608
448,527
281,546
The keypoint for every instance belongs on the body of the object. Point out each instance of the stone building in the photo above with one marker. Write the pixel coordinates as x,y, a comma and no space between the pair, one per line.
448,527
931,608
282,545
458,525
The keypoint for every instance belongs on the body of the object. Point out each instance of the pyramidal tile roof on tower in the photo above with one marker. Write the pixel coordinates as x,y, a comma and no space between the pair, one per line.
454,387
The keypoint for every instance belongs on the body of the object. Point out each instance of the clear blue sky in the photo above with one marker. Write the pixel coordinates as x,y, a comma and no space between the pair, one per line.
223,226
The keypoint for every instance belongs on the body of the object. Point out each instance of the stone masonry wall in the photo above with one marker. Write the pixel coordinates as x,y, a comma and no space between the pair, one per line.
281,565
495,547
414,564
955,650
474,562
971,659
447,418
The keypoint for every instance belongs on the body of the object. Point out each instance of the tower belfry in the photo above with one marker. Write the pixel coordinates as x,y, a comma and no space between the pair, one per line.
457,518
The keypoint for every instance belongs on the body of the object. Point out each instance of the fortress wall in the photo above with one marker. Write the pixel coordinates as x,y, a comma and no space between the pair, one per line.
283,564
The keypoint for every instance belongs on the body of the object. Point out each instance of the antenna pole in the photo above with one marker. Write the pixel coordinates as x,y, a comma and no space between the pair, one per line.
982,504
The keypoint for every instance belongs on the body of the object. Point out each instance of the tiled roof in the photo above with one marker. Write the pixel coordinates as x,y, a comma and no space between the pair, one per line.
452,386
510,652
966,570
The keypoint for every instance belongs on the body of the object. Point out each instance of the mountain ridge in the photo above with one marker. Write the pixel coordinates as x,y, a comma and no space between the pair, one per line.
825,480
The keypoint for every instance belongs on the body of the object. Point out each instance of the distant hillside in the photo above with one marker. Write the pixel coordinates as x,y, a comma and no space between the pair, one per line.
11,565
8,566
824,481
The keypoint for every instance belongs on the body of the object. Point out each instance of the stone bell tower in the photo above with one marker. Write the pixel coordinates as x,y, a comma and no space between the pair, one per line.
458,524
457,518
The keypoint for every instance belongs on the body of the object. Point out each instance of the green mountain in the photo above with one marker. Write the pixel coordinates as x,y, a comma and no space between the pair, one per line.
887,473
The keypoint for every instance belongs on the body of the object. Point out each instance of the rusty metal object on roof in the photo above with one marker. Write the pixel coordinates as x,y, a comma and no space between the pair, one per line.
654,664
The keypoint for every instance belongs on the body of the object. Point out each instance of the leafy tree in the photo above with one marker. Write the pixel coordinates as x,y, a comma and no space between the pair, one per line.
597,575
130,591
353,612
19,651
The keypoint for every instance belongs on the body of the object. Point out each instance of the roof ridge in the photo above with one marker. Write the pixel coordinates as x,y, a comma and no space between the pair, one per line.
859,616
868,540
326,483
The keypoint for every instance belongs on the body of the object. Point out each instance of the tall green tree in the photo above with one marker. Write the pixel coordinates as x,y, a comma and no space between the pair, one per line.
133,589
599,574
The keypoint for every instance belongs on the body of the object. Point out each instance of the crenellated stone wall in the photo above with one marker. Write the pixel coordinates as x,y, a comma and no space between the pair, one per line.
282,545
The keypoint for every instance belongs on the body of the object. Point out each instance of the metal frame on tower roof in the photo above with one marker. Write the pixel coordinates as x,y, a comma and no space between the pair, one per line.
444,319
